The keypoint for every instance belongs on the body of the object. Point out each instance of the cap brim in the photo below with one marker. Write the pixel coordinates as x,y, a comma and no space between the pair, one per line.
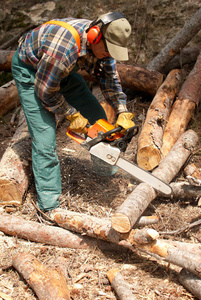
117,52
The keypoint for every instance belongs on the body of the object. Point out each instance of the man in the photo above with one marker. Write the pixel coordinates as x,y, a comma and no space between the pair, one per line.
44,68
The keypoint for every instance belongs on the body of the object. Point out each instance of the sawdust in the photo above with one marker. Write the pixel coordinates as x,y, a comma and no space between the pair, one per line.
87,192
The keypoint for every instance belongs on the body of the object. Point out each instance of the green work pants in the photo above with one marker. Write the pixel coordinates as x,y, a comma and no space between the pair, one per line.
42,127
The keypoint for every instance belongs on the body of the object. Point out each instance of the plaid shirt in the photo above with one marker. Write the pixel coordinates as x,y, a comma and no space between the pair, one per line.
53,52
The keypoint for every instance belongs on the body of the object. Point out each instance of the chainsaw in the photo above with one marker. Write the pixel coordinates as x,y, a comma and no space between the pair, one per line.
107,142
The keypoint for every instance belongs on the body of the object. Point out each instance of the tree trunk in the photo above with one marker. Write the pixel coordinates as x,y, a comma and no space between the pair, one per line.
15,166
185,190
99,228
191,282
189,247
183,108
180,40
150,138
5,60
51,235
185,57
135,78
9,98
46,283
136,203
120,286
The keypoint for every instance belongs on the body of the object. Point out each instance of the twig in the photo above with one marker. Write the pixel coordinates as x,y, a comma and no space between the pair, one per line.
182,229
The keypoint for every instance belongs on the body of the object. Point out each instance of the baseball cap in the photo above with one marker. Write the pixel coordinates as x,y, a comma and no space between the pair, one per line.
116,36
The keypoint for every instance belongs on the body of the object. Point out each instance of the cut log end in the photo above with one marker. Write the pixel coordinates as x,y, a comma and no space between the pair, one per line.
9,193
121,223
150,161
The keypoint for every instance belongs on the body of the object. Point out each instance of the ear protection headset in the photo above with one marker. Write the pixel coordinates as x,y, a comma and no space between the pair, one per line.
94,32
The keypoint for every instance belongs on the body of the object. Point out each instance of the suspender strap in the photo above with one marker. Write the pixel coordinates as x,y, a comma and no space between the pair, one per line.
70,28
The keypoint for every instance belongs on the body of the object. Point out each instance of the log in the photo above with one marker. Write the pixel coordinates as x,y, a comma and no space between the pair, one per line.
191,282
179,41
185,190
186,56
15,166
9,97
135,78
151,136
189,260
51,235
136,203
120,286
183,108
5,60
99,228
132,77
189,247
46,283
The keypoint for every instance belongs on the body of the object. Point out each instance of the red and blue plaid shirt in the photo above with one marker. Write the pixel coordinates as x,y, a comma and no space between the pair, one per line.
53,52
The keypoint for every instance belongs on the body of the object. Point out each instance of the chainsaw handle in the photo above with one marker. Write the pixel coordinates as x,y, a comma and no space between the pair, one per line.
74,136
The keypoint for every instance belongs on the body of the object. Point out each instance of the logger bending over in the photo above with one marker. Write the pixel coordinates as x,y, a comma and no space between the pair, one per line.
45,71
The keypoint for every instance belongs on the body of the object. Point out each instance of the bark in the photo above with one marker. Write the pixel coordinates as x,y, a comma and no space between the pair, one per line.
120,286
110,113
5,60
180,40
99,228
191,282
171,254
15,166
151,136
50,235
9,98
46,283
186,56
185,190
135,78
183,108
136,203
189,247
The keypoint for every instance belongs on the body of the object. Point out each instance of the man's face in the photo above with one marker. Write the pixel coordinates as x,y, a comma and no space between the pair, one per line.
100,50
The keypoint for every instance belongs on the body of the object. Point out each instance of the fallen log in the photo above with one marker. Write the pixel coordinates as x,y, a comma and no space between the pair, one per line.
186,56
180,40
185,190
15,166
136,203
189,247
191,282
99,228
9,97
5,60
51,235
183,108
120,286
46,283
151,135
135,78
132,77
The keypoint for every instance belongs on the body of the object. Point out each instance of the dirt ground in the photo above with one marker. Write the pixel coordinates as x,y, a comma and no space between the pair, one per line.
87,192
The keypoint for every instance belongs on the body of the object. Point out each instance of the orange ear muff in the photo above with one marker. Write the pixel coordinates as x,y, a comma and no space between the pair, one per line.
94,35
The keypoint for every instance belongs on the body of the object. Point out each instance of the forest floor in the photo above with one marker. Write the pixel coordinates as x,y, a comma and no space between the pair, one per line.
87,192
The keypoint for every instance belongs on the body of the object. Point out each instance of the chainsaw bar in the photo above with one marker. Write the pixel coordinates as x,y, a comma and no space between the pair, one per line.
111,155
144,176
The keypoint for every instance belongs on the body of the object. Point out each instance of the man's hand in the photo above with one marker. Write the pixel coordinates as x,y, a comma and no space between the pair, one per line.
125,120
77,123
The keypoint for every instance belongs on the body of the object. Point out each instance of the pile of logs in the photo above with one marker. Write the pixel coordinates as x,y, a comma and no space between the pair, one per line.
164,145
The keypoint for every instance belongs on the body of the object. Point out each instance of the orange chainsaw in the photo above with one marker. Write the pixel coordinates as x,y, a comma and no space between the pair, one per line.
106,142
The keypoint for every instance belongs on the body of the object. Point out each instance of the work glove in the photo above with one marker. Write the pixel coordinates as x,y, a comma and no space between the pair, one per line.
77,123
125,121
